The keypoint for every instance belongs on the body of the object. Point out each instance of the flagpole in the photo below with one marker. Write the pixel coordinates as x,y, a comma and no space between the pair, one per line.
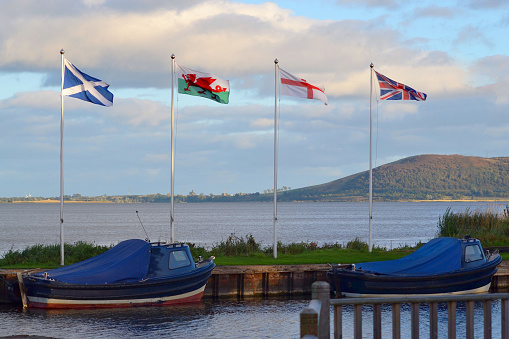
370,155
62,160
172,179
275,156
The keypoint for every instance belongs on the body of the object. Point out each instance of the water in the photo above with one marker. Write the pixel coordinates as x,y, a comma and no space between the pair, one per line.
252,318
256,318
394,224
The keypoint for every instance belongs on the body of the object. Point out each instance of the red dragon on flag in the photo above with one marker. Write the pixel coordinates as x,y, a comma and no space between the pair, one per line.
203,84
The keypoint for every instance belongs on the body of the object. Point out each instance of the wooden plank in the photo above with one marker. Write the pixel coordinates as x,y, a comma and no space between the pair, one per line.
377,321
414,319
22,291
487,319
433,320
420,299
338,322
396,321
321,291
451,319
357,321
469,319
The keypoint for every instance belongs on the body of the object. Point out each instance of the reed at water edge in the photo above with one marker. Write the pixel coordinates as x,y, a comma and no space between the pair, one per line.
491,227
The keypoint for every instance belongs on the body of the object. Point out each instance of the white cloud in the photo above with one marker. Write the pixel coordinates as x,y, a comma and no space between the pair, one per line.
36,99
157,157
137,112
128,44
396,110
92,3
262,123
436,11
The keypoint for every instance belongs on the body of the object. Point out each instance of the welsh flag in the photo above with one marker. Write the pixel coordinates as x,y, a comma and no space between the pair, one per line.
203,85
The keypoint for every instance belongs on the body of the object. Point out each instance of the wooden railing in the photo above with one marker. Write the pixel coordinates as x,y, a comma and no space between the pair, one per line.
312,324
315,319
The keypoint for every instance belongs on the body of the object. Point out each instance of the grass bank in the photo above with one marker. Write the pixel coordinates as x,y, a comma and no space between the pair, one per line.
48,256
232,251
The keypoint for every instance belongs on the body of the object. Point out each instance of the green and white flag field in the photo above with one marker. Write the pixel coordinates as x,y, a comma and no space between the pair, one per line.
202,84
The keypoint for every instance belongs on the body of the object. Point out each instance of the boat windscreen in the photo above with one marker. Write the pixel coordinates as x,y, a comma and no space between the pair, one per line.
438,256
126,262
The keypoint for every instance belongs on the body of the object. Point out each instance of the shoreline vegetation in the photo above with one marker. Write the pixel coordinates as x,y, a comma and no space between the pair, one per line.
427,177
232,251
239,197
490,227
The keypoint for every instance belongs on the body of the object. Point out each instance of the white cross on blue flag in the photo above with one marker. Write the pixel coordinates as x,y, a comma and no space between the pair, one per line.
82,86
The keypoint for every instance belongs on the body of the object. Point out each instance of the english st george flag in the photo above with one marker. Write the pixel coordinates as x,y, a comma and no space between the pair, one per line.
296,87
392,90
203,85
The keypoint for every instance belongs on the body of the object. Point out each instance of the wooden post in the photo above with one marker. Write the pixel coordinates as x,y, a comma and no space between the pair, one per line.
396,321
487,318
451,319
320,290
414,315
433,320
338,322
469,319
309,319
377,321
357,321
22,290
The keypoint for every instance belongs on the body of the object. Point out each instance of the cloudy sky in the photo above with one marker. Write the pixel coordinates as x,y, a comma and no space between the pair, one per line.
455,51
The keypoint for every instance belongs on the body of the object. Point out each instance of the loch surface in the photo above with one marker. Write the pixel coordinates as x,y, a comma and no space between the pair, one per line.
394,223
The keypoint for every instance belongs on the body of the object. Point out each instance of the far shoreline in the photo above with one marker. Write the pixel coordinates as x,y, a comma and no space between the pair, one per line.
54,201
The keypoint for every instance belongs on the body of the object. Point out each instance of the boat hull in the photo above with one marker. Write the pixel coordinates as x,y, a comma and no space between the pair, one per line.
42,293
41,302
357,283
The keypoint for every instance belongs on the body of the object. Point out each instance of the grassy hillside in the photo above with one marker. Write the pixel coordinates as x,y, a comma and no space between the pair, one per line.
419,177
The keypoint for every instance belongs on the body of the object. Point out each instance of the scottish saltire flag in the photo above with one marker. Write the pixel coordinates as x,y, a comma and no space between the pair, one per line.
203,85
296,87
82,86
392,90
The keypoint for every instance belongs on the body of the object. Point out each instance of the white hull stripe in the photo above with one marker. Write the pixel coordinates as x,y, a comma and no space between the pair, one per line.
482,289
114,302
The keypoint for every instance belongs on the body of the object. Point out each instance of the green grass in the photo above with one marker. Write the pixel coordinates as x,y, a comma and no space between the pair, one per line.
245,251
319,256
232,251
48,256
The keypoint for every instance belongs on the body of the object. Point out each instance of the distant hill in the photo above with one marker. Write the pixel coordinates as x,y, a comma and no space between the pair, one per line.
421,177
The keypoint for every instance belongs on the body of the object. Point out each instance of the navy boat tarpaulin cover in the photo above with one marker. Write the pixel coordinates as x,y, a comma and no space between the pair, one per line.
438,256
126,262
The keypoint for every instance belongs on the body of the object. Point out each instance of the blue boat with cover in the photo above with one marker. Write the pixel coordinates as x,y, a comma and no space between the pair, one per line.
443,265
133,273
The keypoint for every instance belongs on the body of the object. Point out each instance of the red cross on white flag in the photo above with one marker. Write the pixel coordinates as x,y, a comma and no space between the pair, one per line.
296,87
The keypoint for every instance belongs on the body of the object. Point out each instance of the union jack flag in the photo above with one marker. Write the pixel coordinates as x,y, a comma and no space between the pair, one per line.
392,90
